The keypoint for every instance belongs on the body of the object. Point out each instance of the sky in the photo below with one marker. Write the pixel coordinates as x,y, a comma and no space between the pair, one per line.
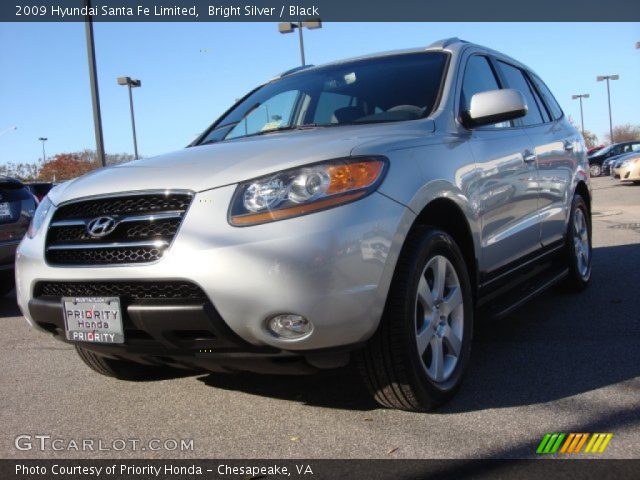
192,72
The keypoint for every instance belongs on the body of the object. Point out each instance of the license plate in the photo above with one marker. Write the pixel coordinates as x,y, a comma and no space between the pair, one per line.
93,319
5,211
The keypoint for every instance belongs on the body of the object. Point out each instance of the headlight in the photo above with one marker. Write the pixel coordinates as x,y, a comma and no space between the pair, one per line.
304,190
39,216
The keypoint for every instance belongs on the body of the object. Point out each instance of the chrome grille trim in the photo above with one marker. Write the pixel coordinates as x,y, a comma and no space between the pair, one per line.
146,224
85,246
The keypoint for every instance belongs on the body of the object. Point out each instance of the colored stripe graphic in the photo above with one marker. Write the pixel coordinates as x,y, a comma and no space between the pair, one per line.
550,443
573,443
598,442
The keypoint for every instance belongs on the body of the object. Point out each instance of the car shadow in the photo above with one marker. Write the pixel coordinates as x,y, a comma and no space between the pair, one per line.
341,389
559,345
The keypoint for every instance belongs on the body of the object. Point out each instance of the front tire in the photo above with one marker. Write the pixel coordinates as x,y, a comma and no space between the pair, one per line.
595,170
578,249
418,356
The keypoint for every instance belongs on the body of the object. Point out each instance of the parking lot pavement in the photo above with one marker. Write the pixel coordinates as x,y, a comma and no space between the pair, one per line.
564,363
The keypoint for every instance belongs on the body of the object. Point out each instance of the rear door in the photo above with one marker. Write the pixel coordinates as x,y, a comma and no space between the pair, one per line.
554,141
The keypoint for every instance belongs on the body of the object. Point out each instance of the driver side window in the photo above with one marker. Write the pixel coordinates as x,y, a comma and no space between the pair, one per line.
479,77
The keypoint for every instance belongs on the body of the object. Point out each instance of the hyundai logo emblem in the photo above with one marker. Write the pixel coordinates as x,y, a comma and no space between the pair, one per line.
101,226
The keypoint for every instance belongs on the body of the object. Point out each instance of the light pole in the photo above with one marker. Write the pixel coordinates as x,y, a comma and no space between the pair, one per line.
44,157
93,82
600,78
289,27
131,83
580,97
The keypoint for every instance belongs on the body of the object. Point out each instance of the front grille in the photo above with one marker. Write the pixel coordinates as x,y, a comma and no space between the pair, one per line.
163,290
144,226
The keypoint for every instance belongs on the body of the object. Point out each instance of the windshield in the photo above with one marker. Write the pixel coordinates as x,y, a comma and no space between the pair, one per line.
385,89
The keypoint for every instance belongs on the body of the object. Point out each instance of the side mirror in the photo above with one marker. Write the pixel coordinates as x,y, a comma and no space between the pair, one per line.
495,106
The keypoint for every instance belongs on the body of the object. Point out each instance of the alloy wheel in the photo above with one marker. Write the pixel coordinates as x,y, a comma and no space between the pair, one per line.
439,318
581,242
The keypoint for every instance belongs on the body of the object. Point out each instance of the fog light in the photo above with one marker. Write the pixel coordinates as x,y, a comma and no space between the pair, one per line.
290,326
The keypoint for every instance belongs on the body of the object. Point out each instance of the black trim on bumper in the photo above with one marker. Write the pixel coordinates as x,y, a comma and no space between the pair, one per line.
156,328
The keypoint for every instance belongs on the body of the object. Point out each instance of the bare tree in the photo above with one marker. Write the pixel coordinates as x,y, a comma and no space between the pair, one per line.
624,133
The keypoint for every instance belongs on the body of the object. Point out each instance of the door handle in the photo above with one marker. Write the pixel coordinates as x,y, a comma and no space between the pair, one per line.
568,146
529,157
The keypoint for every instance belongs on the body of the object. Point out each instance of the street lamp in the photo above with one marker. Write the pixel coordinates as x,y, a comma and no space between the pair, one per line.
131,83
600,78
289,27
580,97
44,157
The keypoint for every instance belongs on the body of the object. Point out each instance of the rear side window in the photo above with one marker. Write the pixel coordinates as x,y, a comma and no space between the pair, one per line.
516,79
550,100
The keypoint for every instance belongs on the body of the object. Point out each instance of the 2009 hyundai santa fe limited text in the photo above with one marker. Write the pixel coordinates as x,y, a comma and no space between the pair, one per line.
359,211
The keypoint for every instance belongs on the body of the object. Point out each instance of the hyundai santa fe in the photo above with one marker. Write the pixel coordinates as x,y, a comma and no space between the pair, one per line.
362,211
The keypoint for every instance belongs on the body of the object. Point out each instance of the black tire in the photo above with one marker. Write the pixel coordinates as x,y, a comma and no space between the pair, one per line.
595,170
577,281
390,364
120,369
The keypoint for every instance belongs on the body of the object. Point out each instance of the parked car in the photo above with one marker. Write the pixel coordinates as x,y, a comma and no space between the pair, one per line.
607,165
610,164
234,254
40,189
17,206
629,168
596,160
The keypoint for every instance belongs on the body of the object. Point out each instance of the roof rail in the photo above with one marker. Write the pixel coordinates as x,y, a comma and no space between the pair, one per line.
445,42
292,70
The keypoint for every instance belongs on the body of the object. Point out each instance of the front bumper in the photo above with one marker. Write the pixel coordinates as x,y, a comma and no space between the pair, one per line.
333,267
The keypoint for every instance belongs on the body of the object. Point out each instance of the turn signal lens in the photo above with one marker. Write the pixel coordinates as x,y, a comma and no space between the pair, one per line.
305,190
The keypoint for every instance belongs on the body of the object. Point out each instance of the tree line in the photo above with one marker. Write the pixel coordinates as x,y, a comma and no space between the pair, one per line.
61,167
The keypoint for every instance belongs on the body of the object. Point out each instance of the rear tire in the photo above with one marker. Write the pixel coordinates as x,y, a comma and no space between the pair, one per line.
595,170
120,369
578,248
416,359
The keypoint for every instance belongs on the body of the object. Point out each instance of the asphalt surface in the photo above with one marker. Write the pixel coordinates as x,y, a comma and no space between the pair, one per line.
564,363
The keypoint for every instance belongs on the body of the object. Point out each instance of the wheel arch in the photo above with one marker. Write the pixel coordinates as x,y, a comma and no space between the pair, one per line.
447,215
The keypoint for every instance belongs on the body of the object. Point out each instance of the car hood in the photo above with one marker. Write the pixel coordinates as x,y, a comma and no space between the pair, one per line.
210,166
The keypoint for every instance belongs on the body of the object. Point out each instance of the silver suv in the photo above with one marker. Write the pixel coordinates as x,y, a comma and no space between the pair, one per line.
362,210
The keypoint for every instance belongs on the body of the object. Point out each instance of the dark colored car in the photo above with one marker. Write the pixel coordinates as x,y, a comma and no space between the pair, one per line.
40,189
597,159
17,206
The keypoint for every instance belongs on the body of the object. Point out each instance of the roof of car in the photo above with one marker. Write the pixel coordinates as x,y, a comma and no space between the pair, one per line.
445,44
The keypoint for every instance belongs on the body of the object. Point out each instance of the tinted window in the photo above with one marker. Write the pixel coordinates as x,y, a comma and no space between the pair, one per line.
328,104
384,89
553,105
515,79
546,116
479,77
